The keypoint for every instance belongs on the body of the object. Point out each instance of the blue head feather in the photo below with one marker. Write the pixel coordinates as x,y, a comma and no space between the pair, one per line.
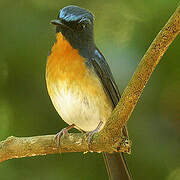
75,13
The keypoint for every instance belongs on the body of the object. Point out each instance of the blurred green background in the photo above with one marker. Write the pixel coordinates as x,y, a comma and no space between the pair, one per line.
123,31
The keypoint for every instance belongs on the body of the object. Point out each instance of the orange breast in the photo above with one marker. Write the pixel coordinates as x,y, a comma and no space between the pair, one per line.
65,64
64,61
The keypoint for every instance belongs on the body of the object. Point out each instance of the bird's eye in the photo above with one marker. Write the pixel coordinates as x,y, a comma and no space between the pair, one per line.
81,26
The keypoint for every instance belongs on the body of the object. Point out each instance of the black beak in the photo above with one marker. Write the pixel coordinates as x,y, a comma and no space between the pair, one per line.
58,22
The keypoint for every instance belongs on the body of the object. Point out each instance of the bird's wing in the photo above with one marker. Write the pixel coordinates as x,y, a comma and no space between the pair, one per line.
115,163
104,73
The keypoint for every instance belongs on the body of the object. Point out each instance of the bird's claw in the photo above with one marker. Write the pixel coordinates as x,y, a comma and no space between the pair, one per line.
58,137
60,134
92,133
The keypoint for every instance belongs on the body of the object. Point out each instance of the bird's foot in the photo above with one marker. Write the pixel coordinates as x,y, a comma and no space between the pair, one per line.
62,133
92,133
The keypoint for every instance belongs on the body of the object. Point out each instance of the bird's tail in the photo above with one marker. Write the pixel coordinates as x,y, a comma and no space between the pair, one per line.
116,166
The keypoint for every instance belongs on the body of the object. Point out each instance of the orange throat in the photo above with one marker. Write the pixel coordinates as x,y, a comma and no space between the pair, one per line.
64,62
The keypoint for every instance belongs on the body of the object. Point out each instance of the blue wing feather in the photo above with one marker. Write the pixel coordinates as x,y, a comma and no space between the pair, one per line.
104,73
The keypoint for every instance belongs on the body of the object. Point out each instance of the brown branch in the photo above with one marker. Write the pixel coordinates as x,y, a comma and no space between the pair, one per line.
134,89
18,147
110,138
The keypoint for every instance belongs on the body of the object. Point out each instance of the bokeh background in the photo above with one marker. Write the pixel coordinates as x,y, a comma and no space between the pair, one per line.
123,31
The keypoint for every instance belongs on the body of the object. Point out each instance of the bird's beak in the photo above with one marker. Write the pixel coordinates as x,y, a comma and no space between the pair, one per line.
57,22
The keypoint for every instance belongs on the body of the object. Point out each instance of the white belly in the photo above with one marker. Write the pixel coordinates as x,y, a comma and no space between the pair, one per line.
80,108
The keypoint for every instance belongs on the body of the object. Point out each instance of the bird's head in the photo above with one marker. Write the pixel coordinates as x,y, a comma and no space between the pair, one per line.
76,25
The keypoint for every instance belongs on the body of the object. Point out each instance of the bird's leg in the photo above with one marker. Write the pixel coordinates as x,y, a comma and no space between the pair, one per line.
91,133
62,134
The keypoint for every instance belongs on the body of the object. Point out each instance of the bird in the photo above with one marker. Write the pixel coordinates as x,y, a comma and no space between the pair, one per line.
80,83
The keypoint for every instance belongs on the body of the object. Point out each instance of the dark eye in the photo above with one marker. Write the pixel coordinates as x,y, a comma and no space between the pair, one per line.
81,26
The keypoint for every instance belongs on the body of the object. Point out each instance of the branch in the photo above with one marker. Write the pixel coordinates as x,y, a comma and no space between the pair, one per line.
18,147
110,139
134,89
